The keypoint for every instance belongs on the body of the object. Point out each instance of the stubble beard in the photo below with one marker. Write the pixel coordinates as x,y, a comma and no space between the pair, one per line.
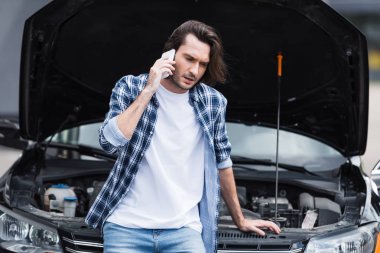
176,81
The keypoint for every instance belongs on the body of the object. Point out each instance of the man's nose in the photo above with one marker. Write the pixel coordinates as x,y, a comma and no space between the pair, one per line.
195,69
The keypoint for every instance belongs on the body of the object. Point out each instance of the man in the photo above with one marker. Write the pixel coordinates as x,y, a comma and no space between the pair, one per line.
162,194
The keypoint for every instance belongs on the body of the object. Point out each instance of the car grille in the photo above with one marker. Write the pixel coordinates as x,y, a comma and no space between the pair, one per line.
260,251
235,241
76,243
230,241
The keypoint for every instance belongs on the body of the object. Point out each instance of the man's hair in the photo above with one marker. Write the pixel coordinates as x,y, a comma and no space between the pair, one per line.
216,71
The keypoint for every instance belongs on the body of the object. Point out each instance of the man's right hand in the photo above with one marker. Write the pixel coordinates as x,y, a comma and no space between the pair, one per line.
155,74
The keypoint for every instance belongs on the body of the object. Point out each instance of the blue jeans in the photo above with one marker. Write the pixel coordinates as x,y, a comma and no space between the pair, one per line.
119,239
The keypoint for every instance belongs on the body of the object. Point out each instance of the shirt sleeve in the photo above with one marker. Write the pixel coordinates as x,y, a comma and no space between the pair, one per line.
123,94
225,164
113,134
222,143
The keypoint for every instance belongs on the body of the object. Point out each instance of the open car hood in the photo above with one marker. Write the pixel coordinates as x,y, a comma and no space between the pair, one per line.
75,50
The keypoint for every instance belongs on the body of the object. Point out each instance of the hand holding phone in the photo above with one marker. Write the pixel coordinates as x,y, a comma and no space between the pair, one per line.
170,56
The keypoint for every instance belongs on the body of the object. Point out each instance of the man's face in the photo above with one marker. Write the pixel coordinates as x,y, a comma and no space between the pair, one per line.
191,58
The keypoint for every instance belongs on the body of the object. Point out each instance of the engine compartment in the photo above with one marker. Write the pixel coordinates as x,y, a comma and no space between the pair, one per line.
298,209
300,204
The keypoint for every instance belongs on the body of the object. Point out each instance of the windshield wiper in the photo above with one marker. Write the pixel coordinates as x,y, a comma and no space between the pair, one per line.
86,150
268,162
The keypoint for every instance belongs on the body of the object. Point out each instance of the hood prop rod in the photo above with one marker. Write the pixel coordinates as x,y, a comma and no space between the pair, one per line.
279,77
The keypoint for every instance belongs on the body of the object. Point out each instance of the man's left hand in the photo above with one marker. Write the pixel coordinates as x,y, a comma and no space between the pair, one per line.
255,225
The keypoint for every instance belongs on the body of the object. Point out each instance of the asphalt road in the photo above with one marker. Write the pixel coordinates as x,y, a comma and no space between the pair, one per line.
370,158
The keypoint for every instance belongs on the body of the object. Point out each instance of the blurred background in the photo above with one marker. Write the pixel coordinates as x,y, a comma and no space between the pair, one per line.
364,14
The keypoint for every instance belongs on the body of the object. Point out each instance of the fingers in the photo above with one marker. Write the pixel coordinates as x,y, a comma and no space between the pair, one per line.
257,231
271,226
163,65
255,225
274,228
156,71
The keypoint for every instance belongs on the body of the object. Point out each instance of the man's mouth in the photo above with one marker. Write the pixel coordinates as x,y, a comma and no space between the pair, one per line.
189,80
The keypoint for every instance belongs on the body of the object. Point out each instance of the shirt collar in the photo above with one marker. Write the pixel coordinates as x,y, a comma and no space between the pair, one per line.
193,93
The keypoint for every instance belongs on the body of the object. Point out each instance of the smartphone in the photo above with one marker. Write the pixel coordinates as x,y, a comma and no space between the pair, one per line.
170,56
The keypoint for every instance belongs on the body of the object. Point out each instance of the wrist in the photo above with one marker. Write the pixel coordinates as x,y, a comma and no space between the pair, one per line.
240,222
149,90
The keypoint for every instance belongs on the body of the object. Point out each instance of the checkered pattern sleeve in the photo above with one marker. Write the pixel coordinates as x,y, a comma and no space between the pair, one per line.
123,94
222,144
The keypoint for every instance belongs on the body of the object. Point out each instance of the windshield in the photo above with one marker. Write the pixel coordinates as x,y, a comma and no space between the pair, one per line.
86,135
259,142
254,142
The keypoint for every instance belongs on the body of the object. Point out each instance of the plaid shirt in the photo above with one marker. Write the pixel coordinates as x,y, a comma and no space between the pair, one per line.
209,106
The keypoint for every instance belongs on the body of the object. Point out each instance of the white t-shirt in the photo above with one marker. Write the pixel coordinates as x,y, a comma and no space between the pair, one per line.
169,183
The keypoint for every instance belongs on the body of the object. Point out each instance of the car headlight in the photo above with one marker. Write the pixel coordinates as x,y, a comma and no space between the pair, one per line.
18,235
361,240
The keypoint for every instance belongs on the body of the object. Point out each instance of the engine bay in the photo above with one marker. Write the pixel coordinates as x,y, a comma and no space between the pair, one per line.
298,206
